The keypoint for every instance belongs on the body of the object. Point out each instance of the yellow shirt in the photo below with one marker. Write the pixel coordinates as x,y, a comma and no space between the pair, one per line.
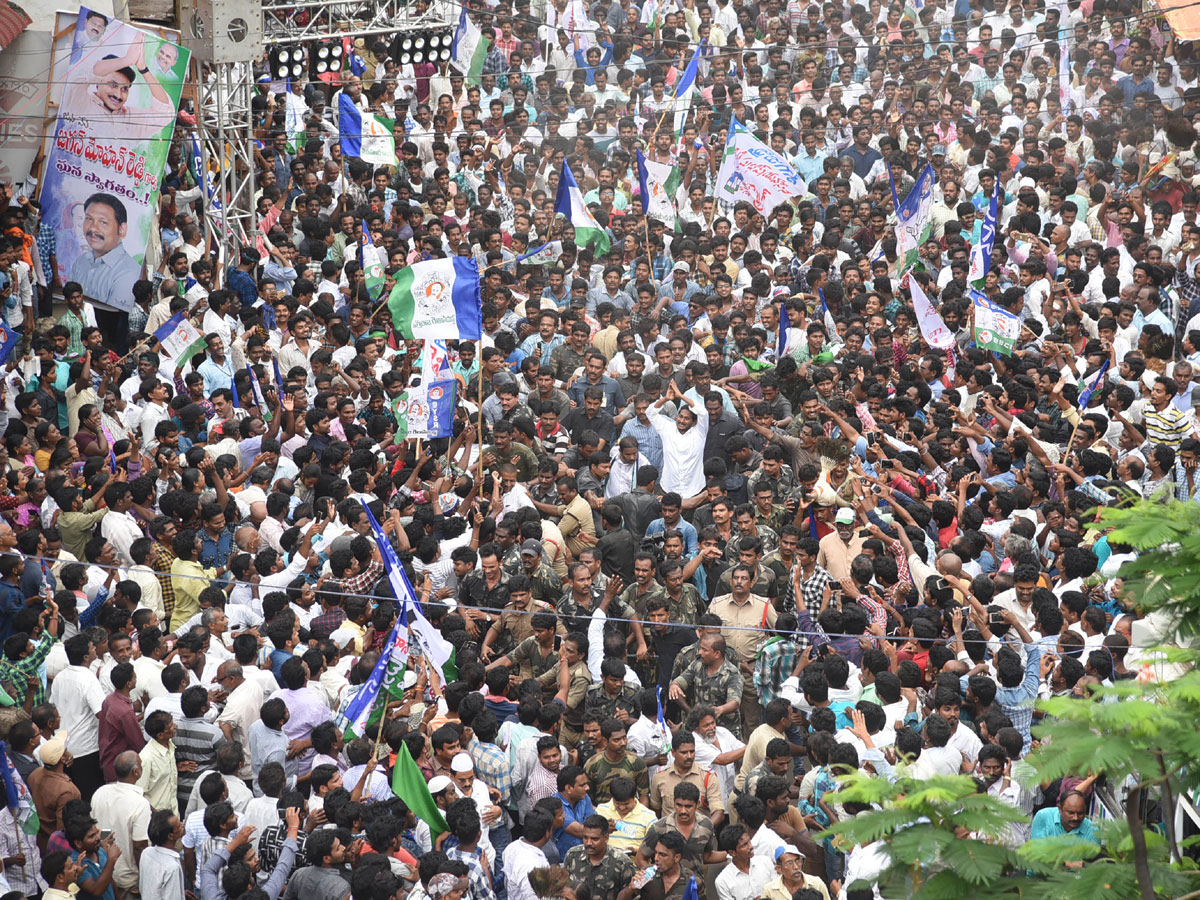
189,579
628,831
160,779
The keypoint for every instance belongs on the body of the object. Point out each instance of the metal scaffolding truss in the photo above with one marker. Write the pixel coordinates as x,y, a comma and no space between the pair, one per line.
224,118
226,135
309,20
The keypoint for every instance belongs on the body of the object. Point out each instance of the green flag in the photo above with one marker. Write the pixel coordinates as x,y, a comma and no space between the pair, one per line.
409,785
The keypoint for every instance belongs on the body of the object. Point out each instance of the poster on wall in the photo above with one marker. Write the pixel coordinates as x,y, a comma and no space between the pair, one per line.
114,128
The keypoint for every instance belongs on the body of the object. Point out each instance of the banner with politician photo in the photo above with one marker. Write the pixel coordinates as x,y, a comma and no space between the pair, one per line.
101,184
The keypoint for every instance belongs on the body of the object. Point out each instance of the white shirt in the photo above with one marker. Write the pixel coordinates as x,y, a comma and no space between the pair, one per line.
734,884
160,874
683,454
149,679
121,530
937,761
521,858
77,695
124,810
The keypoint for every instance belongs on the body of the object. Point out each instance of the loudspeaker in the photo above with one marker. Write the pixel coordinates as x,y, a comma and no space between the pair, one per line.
222,31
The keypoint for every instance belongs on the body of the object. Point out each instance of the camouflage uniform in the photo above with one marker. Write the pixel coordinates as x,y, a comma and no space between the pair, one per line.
688,608
601,773
580,681
529,660
767,536
603,880
545,585
702,840
576,617
781,486
514,626
714,690
604,706
564,360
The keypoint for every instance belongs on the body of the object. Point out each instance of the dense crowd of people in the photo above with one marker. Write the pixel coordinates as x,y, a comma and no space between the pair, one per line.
716,521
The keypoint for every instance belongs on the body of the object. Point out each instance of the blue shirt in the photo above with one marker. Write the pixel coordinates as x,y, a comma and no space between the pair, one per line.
92,869
863,160
214,552
571,815
1048,823
691,545
1131,88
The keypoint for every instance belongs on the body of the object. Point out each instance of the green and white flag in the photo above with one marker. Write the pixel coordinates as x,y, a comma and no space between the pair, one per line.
372,265
438,298
179,340
469,49
569,204
658,183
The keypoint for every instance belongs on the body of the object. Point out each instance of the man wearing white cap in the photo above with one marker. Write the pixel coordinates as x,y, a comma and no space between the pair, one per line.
791,877
462,769
839,548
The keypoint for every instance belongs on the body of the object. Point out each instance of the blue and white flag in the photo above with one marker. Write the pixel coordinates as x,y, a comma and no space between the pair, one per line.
912,218
202,176
655,179
256,390
430,640
359,709
981,253
8,342
685,87
1086,396
365,136
827,316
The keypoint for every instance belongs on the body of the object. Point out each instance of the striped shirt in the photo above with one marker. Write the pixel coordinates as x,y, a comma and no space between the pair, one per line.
1169,426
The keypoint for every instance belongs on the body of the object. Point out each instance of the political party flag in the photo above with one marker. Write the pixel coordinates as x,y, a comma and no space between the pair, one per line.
752,171
237,401
365,136
438,298
782,340
469,49
685,87
388,672
8,342
410,786
981,253
428,638
16,796
179,340
256,393
656,179
913,223
1064,72
996,329
691,892
933,329
569,204
202,176
354,62
543,255
293,119
112,460
372,265
1086,397
278,375
826,315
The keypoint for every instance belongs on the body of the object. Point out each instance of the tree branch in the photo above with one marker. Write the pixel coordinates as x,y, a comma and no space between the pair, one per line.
1141,862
